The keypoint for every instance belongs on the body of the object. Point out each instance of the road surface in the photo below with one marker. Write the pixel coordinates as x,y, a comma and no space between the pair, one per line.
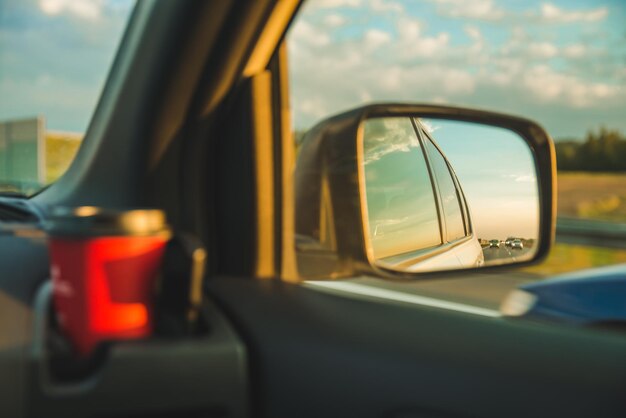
504,253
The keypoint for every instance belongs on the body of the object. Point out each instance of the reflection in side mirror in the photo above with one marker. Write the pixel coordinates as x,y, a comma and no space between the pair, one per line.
440,194
399,189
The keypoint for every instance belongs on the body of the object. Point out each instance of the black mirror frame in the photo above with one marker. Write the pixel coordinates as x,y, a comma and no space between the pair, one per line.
329,154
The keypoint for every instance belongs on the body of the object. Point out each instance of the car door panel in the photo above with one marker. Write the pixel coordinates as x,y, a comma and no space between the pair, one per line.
317,355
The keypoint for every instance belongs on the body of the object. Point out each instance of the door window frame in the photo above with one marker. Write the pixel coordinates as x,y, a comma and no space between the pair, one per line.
424,136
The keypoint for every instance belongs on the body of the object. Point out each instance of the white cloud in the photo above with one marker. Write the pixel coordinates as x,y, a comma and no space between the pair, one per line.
331,4
413,62
488,10
552,13
391,79
521,46
474,9
313,107
305,33
375,38
409,29
550,86
473,32
439,100
521,178
542,50
334,20
365,96
405,82
518,34
386,6
90,10
429,46
575,51
456,81
413,44
478,45
429,125
388,136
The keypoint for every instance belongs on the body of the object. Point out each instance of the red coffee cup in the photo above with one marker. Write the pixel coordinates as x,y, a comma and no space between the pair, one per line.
104,266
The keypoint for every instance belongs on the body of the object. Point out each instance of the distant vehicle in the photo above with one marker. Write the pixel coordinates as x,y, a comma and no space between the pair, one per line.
509,241
517,244
592,298
494,243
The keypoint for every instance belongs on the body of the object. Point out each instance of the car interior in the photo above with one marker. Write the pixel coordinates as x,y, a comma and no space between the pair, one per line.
194,121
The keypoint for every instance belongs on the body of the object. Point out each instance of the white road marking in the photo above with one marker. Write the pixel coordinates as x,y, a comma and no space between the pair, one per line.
376,292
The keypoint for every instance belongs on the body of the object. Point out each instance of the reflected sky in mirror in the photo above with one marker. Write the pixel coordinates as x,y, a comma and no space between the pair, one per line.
402,214
497,174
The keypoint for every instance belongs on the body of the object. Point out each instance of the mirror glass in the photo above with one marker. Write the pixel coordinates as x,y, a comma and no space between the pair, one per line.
441,194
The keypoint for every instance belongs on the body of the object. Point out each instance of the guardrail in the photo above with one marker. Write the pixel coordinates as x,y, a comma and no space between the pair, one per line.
590,232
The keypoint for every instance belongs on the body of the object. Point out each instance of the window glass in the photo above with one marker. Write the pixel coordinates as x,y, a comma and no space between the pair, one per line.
401,205
455,227
54,57
559,62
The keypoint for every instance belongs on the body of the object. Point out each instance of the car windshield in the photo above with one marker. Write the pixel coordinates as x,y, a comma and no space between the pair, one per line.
54,58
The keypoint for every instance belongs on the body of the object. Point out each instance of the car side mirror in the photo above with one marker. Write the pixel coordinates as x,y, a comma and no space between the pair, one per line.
398,188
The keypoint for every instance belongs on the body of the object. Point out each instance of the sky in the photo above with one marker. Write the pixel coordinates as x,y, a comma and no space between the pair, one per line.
55,56
497,174
560,62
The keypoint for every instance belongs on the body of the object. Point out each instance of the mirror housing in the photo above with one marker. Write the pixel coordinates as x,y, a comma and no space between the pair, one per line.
332,239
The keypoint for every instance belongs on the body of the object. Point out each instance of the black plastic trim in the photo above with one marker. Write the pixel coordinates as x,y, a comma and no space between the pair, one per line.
322,355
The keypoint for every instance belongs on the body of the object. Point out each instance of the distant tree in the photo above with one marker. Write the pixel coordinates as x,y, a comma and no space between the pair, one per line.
604,150
567,154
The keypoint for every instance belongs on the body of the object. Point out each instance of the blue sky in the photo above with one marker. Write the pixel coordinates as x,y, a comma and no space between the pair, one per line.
497,173
562,63
54,57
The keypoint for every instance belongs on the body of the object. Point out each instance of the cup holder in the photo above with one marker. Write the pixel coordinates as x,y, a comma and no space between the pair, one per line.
176,370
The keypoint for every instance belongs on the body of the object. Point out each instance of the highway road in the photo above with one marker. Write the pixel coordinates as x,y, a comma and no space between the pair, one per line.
504,253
